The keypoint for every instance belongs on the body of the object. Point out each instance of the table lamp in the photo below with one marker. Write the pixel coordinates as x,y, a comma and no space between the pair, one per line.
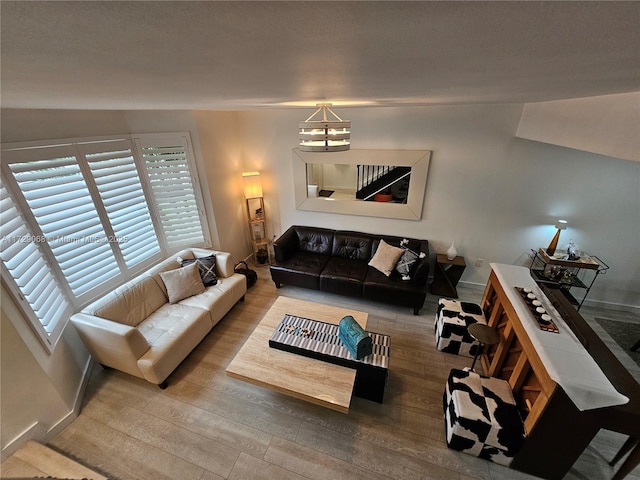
560,225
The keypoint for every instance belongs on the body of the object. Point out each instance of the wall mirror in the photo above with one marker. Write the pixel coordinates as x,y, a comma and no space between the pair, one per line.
374,183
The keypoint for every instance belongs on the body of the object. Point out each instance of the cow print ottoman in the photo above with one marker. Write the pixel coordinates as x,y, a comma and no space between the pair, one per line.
481,417
452,321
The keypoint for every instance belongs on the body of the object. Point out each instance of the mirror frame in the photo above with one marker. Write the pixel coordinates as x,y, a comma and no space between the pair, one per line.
418,160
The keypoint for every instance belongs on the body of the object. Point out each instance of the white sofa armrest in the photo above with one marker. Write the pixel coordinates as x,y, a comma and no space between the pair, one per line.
224,265
111,343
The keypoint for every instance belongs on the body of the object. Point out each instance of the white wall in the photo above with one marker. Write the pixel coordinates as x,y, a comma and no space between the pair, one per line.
27,125
220,140
40,390
607,124
498,195
337,176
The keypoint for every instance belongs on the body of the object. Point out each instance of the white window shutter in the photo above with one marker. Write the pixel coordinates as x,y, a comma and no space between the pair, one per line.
168,162
29,274
57,194
114,172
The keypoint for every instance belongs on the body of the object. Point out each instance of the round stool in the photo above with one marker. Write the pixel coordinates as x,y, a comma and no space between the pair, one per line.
485,335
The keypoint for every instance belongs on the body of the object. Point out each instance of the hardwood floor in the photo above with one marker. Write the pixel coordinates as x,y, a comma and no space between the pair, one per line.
209,426
38,461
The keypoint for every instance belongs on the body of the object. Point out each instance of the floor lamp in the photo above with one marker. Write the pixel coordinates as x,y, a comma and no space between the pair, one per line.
255,213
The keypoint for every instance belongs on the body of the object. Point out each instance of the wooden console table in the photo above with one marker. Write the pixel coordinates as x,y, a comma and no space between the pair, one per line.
446,275
560,420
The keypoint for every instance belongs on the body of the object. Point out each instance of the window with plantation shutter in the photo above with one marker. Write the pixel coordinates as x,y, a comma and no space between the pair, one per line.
57,195
81,217
170,173
29,275
114,171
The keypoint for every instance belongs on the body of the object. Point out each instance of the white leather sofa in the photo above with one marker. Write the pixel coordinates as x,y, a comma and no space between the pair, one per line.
135,329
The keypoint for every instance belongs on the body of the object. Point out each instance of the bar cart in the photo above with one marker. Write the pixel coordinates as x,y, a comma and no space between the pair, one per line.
558,271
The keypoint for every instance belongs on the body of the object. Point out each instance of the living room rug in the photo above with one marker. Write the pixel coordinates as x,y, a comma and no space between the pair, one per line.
325,193
625,335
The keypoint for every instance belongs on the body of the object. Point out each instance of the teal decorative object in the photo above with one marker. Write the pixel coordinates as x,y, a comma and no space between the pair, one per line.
357,341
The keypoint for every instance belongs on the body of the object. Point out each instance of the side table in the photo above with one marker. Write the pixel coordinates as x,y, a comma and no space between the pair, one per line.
446,275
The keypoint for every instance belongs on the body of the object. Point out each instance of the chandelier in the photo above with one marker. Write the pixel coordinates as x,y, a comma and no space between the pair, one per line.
324,135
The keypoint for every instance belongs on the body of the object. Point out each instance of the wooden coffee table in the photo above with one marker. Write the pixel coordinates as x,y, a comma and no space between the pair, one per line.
301,377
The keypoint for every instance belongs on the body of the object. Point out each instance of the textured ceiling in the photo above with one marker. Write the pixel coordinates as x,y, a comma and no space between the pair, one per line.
234,55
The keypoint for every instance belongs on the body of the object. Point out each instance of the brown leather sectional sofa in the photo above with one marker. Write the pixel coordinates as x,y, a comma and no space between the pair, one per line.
337,261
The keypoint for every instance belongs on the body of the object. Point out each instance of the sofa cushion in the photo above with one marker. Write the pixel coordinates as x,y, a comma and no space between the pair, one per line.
172,332
130,303
206,268
315,240
392,289
353,245
303,269
169,321
170,263
219,298
343,276
182,282
386,257
418,270
406,264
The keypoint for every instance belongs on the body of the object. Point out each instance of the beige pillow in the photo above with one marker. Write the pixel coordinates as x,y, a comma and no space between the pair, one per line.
386,257
182,282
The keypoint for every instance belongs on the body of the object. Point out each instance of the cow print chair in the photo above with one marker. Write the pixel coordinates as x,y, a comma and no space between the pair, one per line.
452,321
481,417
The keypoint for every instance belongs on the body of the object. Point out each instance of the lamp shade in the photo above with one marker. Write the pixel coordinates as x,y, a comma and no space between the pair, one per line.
252,184
561,224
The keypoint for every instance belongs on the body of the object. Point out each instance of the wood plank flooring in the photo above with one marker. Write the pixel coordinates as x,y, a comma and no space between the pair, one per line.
208,426
36,460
